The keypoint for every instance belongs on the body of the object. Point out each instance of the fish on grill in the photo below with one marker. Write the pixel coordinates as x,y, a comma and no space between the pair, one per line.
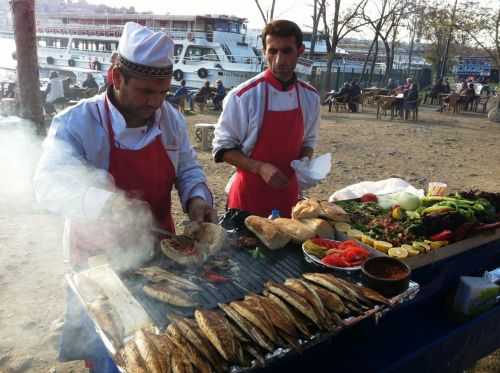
366,295
330,300
295,300
331,283
157,274
255,353
131,358
238,333
164,346
251,310
153,361
311,297
247,327
169,294
218,331
179,363
290,313
193,334
108,319
279,319
188,349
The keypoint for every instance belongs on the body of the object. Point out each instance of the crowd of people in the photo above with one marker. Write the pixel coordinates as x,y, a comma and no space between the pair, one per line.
349,94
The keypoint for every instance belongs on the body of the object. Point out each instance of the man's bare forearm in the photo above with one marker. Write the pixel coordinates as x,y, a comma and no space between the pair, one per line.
241,161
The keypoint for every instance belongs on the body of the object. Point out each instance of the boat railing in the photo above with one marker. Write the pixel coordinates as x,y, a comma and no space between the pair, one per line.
247,60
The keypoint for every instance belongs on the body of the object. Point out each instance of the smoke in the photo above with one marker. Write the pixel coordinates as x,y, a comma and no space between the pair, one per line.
19,154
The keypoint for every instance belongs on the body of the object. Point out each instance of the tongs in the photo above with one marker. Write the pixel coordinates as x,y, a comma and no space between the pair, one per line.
182,240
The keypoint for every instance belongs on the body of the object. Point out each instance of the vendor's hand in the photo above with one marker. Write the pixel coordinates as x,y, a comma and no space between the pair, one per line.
200,211
272,175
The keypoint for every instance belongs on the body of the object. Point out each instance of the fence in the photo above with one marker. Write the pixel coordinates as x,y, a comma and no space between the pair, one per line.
339,77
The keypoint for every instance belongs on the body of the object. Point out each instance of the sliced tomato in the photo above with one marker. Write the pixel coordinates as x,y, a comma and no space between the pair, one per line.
369,197
335,260
327,244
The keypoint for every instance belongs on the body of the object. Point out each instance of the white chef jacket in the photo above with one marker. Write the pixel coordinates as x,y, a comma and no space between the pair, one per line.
72,177
243,111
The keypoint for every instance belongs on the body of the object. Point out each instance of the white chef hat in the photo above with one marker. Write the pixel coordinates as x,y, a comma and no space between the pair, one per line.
144,52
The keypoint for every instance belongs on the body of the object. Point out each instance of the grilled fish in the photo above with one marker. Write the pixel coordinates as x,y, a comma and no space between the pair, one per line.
311,297
218,331
132,359
154,362
179,362
169,294
252,351
330,300
331,283
289,313
251,310
279,319
191,332
295,300
370,294
157,274
109,320
164,347
188,349
252,331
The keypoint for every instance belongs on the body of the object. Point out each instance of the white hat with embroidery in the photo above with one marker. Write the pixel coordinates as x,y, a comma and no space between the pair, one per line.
144,52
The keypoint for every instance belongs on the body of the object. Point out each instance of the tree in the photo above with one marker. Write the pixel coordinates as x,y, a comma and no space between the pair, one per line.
269,15
482,25
342,23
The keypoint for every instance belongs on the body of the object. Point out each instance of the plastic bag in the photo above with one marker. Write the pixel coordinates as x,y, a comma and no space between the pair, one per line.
311,171
382,187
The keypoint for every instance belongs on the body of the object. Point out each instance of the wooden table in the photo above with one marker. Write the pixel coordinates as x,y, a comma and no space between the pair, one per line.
389,102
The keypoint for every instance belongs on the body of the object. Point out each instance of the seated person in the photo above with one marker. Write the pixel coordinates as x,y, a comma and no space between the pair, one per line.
54,92
201,97
436,90
341,96
91,85
411,97
354,96
469,95
220,93
446,86
181,94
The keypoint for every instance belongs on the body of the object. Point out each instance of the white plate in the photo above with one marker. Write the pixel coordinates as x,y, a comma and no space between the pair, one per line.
312,259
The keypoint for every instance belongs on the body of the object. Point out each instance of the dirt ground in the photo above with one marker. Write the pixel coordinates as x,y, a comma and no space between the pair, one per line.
461,150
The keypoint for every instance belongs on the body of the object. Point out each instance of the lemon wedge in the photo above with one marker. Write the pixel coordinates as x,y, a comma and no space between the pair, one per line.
367,240
398,252
354,234
382,246
342,227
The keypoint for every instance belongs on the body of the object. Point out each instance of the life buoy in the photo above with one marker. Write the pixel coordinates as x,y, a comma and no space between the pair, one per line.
71,62
202,73
50,60
178,75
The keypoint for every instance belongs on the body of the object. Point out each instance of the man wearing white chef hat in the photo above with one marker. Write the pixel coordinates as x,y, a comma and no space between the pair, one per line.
110,162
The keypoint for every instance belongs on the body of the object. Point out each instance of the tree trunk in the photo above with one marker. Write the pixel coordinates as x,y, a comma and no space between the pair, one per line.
365,63
375,56
28,78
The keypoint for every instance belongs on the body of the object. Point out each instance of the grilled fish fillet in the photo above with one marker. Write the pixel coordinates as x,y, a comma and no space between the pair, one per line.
295,300
157,274
331,283
109,320
191,332
169,294
253,332
188,349
154,362
311,297
289,313
218,331
251,310
252,351
132,359
367,294
179,362
330,300
279,319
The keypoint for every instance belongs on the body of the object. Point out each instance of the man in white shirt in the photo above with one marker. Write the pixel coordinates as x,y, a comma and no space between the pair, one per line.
109,164
266,123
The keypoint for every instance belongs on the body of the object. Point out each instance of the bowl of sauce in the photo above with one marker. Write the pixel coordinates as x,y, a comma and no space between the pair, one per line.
389,276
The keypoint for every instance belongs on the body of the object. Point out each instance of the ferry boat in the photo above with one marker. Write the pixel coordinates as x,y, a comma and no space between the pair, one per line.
208,47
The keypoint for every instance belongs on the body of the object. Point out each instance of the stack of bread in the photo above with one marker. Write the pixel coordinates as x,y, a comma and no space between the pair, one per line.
310,218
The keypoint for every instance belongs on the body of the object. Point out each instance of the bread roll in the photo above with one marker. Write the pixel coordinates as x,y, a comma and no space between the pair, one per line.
333,212
307,208
267,232
296,230
211,236
320,227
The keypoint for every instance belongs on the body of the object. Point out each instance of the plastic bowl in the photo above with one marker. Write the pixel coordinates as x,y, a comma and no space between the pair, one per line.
388,276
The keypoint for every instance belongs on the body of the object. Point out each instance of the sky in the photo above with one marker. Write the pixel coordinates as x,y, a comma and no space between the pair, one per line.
296,10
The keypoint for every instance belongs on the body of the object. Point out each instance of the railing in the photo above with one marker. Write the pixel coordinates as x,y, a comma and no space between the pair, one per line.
247,60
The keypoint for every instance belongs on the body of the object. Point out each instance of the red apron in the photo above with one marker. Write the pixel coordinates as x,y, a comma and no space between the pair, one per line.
280,142
146,174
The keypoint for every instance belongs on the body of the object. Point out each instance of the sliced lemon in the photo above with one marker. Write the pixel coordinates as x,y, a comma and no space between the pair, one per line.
382,246
437,244
354,234
367,239
421,246
342,227
398,252
412,251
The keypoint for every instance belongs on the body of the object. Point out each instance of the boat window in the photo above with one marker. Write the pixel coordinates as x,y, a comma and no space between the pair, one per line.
234,27
177,52
221,26
180,25
195,53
